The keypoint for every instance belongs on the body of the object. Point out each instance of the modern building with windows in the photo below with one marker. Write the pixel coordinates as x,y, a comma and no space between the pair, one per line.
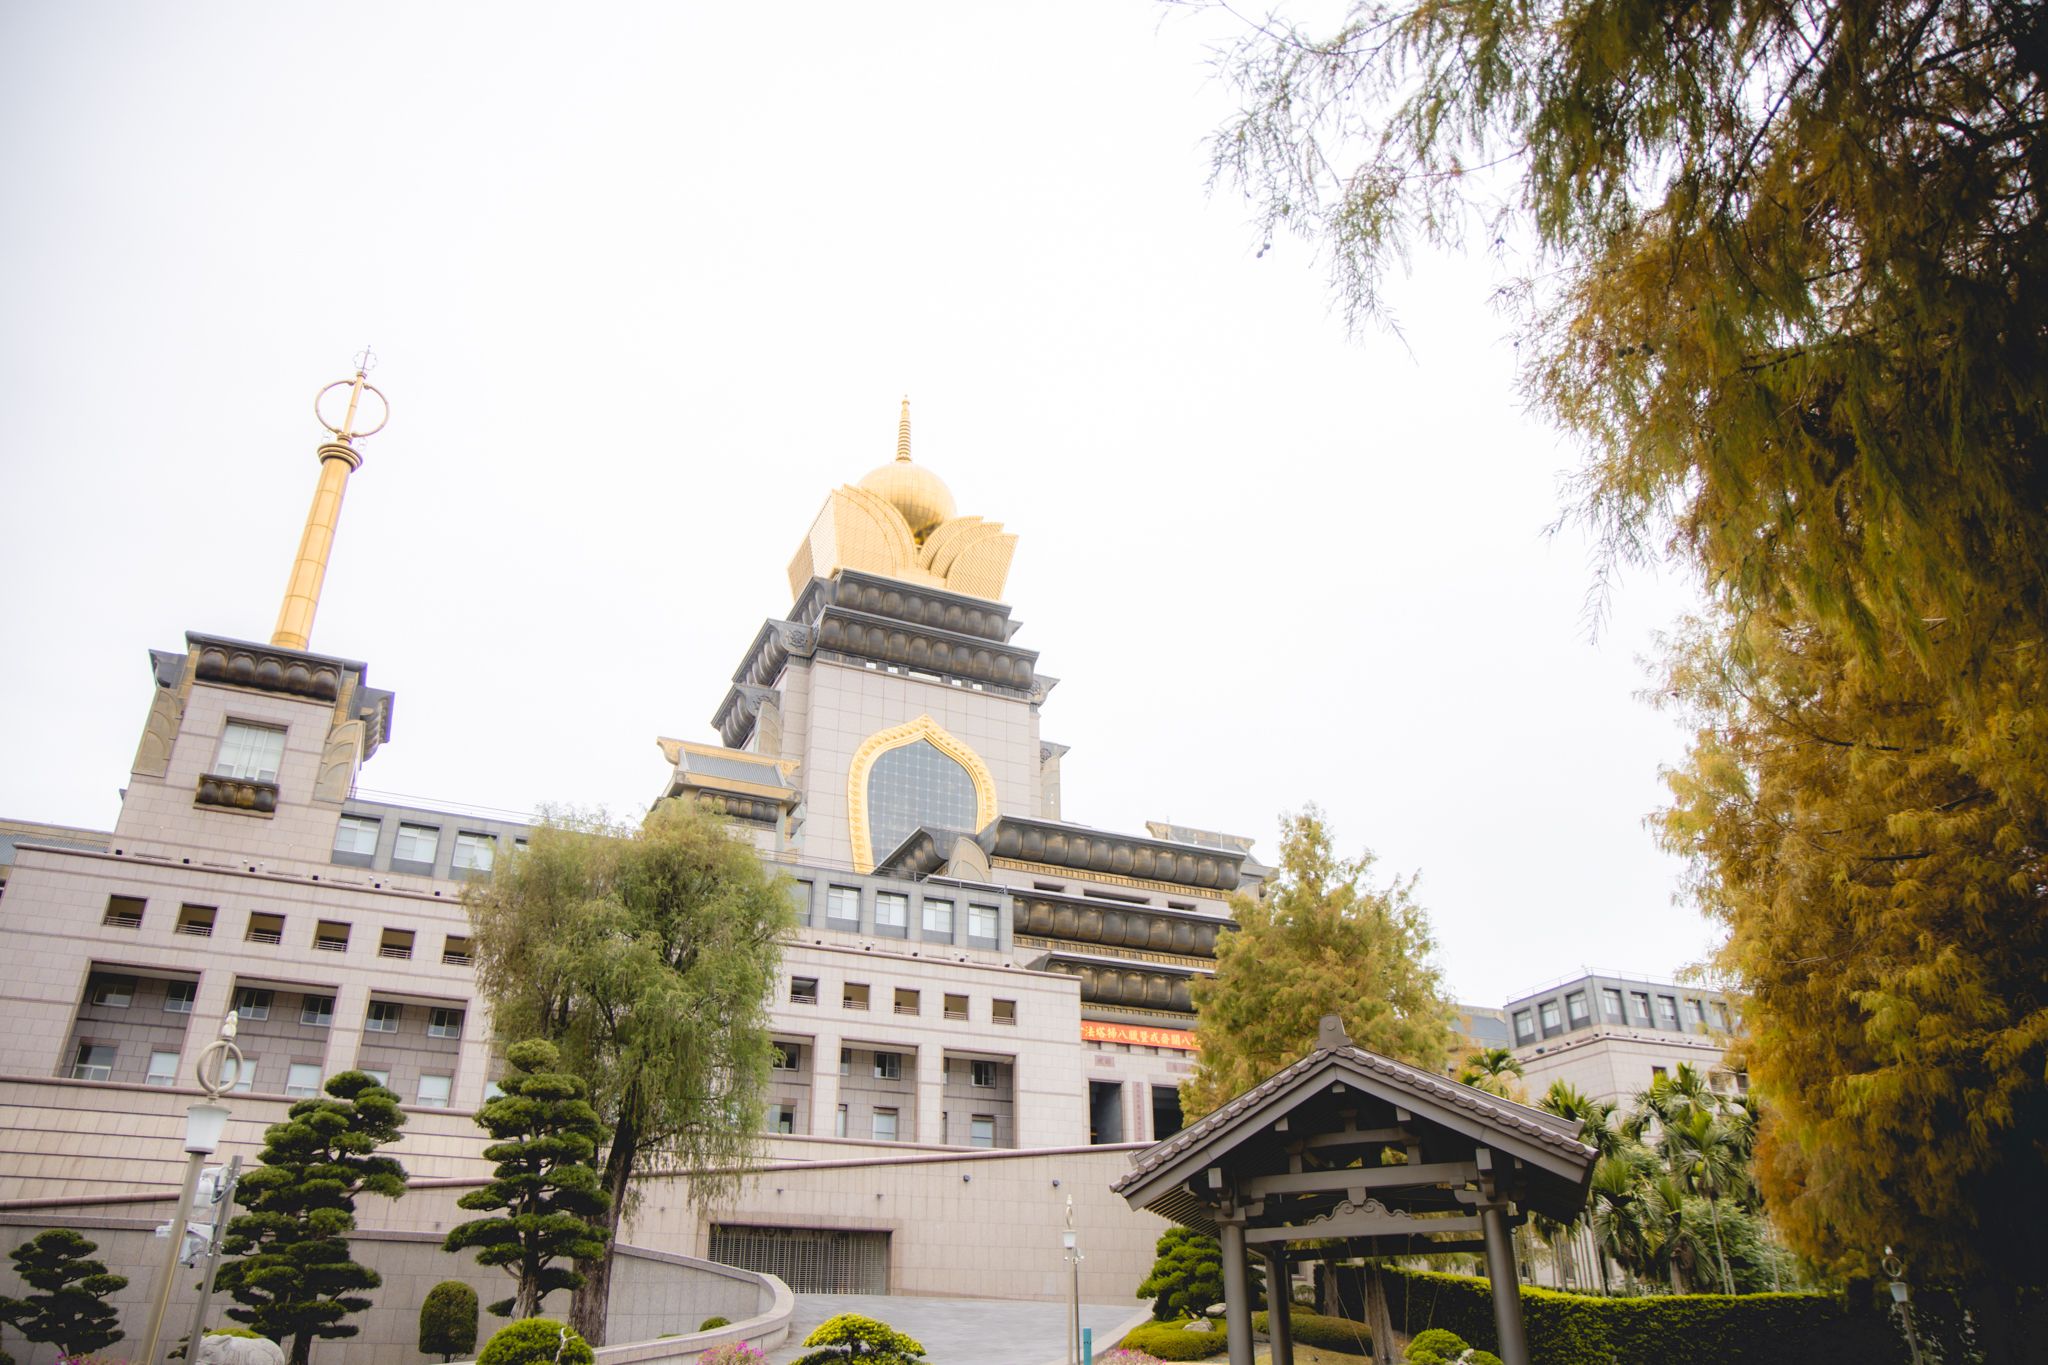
973,978
1611,1035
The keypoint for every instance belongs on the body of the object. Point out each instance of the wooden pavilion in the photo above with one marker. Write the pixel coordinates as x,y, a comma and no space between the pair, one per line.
1350,1154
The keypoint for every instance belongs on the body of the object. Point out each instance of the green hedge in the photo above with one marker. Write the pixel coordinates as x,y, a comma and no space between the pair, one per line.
1671,1329
1324,1333
1172,1341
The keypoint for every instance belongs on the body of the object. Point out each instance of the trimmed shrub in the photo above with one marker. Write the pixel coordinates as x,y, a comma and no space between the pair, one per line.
713,1321
447,1320
733,1353
1477,1357
863,1341
1672,1329
1172,1341
536,1341
1323,1332
1436,1343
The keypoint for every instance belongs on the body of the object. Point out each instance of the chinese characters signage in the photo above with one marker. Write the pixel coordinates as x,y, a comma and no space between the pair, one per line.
1179,1039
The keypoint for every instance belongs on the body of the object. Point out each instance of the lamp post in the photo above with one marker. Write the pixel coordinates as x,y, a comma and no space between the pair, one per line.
1071,1241
204,1123
1895,1271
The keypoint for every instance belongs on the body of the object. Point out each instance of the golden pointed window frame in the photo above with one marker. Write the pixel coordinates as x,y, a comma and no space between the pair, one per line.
900,737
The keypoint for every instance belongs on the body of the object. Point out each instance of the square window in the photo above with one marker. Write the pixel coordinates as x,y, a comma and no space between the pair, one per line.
781,1118
123,912
355,836
265,928
885,1125
395,943
416,844
383,1016
892,911
303,1081
93,1062
982,1074
983,1130
316,1011
788,1056
982,922
474,852
252,1003
1658,1073
455,951
803,990
245,1076
179,995
956,1007
444,1023
163,1069
854,996
938,919
249,753
888,1066
907,1001
842,905
434,1091
331,936
1002,1011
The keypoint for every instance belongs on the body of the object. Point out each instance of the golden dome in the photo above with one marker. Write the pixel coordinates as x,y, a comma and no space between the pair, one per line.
920,495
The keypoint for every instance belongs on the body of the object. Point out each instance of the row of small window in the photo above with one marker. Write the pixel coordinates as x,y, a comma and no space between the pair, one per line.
1615,1008
95,1062
855,995
355,839
886,1066
252,1004
892,913
329,936
882,1126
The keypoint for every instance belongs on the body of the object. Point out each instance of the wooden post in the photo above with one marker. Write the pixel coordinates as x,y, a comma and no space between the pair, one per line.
1507,1285
1237,1290
1279,1308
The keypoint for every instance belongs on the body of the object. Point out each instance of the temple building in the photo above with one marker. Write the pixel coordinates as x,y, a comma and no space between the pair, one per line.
978,990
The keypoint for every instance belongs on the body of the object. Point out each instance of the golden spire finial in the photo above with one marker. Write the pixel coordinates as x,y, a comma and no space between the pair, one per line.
903,432
338,459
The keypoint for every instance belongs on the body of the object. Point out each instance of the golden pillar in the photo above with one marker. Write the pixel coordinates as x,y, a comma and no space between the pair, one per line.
338,459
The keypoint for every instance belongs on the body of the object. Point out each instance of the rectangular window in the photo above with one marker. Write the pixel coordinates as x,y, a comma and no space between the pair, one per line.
938,919
396,943
316,1011
1002,1011
1667,1012
163,1069
265,928
378,1075
249,753
839,1122
252,1003
1657,1073
1576,1011
179,995
355,838
846,1061
982,924
983,1130
444,1023
383,1016
906,1001
982,1075
245,1076
956,1007
417,845
94,1062
330,936
888,1066
1547,1011
474,853
303,1081
803,990
434,1091
842,906
455,951
1639,1007
1610,1005
782,1118
1695,1018
123,912
1720,1012
892,912
788,1056
113,992
885,1125
854,996
1525,1027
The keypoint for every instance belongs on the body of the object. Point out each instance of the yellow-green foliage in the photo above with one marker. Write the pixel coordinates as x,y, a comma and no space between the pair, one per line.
1322,940
536,1341
859,1340
1173,1341
1323,1332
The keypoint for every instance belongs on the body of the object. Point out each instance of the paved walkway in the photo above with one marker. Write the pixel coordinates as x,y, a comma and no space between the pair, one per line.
968,1331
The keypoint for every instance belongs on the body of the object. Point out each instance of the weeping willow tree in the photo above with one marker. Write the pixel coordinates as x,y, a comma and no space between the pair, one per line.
647,956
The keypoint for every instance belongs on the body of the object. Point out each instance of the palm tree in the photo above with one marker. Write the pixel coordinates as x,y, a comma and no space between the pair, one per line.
1489,1069
1705,1158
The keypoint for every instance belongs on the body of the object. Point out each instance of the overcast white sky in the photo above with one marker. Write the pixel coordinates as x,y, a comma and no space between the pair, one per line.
646,283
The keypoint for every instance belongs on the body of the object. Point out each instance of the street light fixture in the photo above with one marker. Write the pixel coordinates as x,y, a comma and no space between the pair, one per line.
1071,1242
204,1124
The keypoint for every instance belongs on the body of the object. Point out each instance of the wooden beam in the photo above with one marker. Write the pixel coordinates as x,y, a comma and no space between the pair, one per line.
1362,1137
1362,1178
1359,1225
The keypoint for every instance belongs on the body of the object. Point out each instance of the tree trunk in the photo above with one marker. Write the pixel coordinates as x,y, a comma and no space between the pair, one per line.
1714,1211
1379,1318
526,1298
593,1297
302,1349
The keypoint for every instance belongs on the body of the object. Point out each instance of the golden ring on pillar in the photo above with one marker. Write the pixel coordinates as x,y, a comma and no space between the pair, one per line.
350,383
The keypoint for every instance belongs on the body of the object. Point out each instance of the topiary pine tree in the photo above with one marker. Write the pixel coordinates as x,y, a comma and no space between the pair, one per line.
71,1311
851,1339
288,1256
553,1205
448,1320
1188,1276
